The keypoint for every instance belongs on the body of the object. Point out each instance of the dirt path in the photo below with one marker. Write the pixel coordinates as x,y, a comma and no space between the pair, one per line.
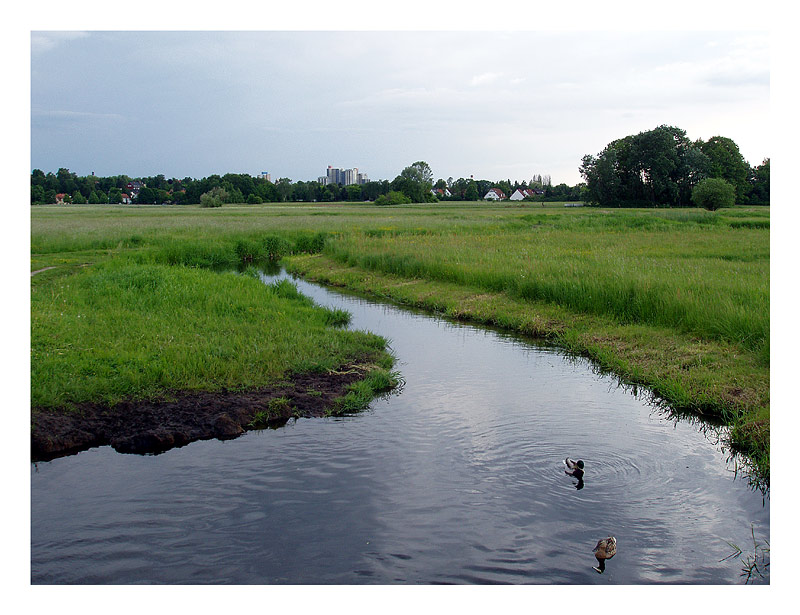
33,273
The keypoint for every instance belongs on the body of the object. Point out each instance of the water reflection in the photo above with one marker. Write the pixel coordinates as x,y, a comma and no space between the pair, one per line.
457,479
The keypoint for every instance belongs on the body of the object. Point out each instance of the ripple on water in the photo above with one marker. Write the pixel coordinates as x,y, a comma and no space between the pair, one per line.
457,479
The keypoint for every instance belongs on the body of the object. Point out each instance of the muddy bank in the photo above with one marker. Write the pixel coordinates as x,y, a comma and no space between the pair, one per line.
159,425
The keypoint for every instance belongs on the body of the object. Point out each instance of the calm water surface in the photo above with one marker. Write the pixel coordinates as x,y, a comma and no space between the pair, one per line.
458,478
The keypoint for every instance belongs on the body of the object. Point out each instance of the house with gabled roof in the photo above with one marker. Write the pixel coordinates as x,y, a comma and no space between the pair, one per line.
495,194
521,193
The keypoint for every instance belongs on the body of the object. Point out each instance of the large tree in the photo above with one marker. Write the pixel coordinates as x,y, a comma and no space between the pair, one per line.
727,162
655,167
415,181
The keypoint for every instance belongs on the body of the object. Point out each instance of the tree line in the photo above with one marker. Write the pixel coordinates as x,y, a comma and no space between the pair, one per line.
415,184
661,167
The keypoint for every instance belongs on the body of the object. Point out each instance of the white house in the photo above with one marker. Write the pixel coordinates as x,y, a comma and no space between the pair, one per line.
441,192
521,193
495,194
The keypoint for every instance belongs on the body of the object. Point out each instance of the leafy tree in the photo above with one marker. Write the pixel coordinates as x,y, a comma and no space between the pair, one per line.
415,181
727,162
353,192
267,191
37,194
713,193
254,199
284,187
78,198
471,191
147,196
115,195
655,167
373,189
759,184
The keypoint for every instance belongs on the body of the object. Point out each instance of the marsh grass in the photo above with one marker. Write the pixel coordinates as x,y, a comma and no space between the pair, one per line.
703,278
361,393
277,409
125,330
755,565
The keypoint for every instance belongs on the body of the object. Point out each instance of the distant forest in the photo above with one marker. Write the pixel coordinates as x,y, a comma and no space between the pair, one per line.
656,168
65,186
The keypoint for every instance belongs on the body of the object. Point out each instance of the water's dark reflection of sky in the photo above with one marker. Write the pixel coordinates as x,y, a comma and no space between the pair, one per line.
457,479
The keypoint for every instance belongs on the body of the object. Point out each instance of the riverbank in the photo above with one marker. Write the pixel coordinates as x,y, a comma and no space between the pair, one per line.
154,426
676,300
145,356
711,379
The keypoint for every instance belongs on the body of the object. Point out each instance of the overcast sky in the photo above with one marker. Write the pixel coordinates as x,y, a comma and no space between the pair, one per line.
496,105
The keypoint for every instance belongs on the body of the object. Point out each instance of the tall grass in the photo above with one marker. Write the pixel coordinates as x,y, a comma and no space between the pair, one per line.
126,330
708,280
694,271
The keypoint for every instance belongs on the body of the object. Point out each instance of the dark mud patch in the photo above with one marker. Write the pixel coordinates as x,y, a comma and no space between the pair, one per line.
159,425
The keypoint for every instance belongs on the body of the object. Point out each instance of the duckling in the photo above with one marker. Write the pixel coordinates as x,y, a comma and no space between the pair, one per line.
605,549
574,468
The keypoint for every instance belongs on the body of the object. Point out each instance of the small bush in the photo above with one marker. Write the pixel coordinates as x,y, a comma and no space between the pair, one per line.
247,251
274,247
271,248
393,198
713,193
214,197
310,244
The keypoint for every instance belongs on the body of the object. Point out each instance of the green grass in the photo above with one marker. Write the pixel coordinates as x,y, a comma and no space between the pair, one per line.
124,330
689,272
677,299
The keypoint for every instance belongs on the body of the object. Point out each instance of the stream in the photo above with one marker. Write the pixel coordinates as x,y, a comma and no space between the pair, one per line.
458,477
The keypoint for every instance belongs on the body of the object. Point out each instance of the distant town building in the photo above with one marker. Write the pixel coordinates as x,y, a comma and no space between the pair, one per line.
495,194
264,175
343,177
521,193
134,187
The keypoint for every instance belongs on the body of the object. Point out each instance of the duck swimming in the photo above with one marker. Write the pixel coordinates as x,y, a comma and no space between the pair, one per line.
605,549
574,468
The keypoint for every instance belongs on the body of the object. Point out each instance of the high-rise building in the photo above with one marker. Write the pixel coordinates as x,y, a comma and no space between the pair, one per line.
265,175
343,177
335,176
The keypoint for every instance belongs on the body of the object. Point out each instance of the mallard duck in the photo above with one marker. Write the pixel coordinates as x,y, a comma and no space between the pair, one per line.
605,549
574,468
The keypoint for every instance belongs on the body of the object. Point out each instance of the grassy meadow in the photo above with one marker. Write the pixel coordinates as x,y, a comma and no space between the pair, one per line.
676,300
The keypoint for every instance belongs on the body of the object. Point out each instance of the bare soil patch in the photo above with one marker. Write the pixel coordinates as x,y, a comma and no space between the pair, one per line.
155,426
